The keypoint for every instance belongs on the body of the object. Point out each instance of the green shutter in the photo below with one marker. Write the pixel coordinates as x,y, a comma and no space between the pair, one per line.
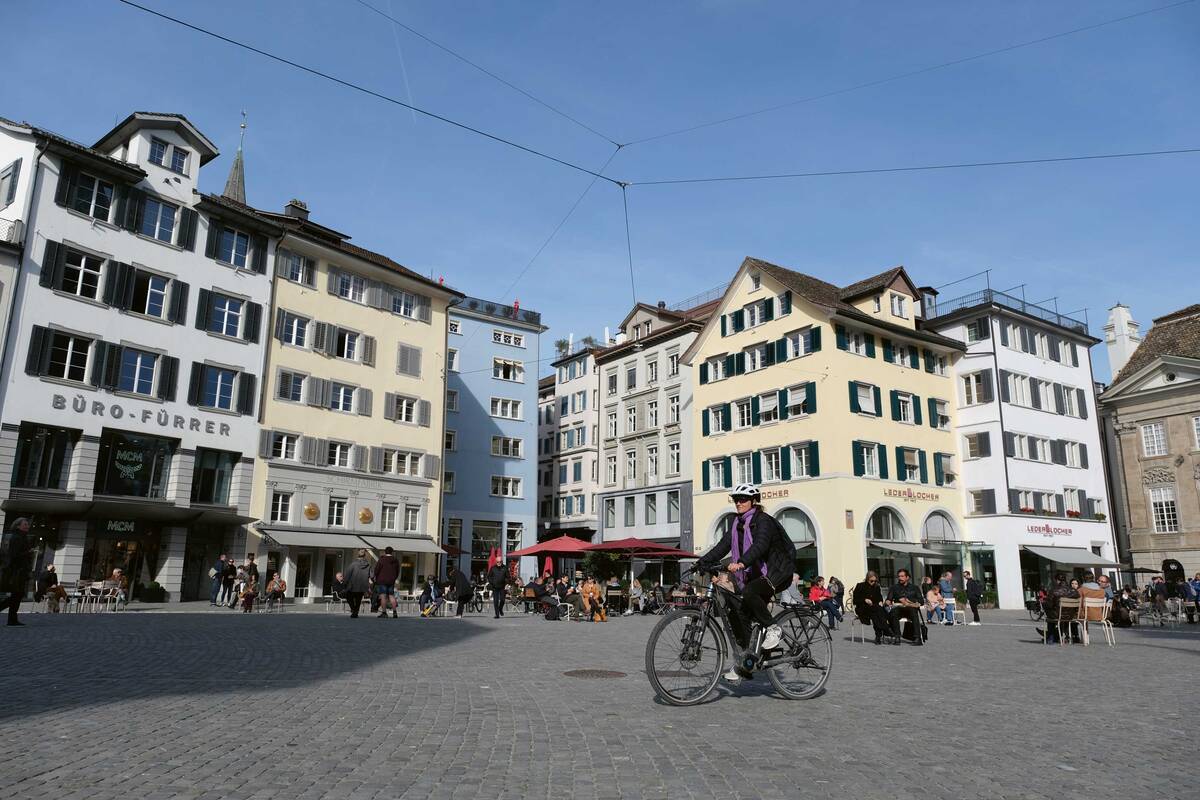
859,468
894,397
785,463
842,344
738,318
881,457
810,398
727,413
769,354
739,363
922,464
878,404
869,338
769,309
756,467
814,460
814,339
703,374
889,352
901,472
783,403
704,429
938,476
724,326
912,355
928,360
728,472
854,407
730,366
785,303
704,480
933,415
781,353
754,417
916,401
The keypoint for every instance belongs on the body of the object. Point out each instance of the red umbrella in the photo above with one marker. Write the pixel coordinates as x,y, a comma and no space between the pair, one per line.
549,565
640,548
563,545
492,558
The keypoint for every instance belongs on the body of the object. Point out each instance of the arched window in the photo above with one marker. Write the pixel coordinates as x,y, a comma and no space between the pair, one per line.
885,524
723,523
938,527
797,524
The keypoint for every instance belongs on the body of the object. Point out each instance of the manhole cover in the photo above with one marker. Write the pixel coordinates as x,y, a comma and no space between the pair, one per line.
593,673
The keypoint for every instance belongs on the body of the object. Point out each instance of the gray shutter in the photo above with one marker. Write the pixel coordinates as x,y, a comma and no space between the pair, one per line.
1014,501
179,298
423,413
1056,349
320,335
1058,451
64,191
358,457
52,265
368,350
1083,457
331,281
389,405
167,378
282,262
1084,508
1004,386
258,253
1060,506
279,320
253,322
203,305
1035,395
188,221
1010,444
265,438
1059,402
433,467
315,390
363,398
988,392
402,367
424,310
1082,399
1004,333
246,385
989,501
307,446
213,238
985,444
326,393
375,459
376,295
308,273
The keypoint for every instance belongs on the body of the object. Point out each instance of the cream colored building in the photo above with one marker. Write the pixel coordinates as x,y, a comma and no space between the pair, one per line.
840,405
353,417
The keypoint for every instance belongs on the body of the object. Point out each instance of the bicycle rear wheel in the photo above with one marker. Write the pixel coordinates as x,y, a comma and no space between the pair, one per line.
808,647
684,657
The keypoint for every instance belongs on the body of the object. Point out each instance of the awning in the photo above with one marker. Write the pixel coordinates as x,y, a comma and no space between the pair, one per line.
404,544
904,547
307,539
802,545
1070,556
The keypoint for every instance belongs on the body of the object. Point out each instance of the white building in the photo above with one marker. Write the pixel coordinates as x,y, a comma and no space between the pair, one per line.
131,368
646,424
571,422
1029,443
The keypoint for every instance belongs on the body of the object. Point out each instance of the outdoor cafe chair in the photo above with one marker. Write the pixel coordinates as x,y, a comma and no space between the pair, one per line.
1088,605
1068,613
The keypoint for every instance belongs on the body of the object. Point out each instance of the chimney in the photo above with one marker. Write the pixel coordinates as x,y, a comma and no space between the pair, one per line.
928,296
1121,337
296,208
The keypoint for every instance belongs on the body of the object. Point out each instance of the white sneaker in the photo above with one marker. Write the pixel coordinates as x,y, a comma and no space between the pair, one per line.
732,676
772,638
974,623
628,613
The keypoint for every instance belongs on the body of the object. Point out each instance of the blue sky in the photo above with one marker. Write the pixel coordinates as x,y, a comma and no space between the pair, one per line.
448,203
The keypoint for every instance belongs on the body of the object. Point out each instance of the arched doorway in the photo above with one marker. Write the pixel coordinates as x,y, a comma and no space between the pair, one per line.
803,533
939,527
886,525
940,535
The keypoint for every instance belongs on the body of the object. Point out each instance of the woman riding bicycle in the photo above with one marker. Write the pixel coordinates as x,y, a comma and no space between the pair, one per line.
762,561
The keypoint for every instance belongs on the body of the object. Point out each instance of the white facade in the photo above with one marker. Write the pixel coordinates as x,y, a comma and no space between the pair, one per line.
18,152
573,468
1029,444
1121,337
133,361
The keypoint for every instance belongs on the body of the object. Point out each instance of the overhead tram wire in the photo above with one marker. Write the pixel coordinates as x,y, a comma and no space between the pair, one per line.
921,168
903,75
628,241
489,73
359,88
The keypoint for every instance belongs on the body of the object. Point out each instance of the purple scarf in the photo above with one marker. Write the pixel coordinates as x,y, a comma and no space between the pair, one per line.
739,544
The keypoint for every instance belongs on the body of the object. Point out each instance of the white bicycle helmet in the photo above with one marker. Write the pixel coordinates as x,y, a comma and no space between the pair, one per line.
746,490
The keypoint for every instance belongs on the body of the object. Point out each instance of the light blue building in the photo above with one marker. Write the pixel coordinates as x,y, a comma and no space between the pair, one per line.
491,432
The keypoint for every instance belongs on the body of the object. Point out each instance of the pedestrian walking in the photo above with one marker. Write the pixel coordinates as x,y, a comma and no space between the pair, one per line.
16,556
974,596
387,570
228,579
358,582
217,574
460,588
497,581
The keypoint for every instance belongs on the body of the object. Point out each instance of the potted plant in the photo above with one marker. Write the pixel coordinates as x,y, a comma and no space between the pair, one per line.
153,592
1100,516
561,346
1026,510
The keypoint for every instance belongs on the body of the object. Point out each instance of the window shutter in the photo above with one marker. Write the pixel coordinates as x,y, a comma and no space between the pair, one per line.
213,237
368,351
916,403
167,378
730,365
246,383
1059,399
894,396
111,375
1083,456
1004,395
1058,451
1055,349
785,463
704,426
320,337
881,459
814,459
985,444
1035,394
258,256
931,404
67,175
194,382
938,471
704,479
860,468
727,414
739,363
703,374
889,352
50,276
922,463
1060,505
135,207
389,405
985,332
785,303
179,298
989,501
783,403
724,325
814,339
1038,503
756,467
869,339
433,467
988,393
326,393
728,472
363,397
97,370
842,342
810,398
358,458
855,408
1085,508
768,309
754,410
315,390
266,439
423,413
738,318
769,354
188,220
1014,501
203,306
308,273
1004,333
283,262
375,459
253,322
928,360
1010,444
114,289
280,318
878,404
125,288
424,308
781,352
1083,412
307,447
901,472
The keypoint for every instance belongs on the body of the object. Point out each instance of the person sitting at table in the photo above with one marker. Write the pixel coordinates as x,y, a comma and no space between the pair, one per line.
637,598
593,600
275,588
904,602
431,597
1050,605
120,591
946,590
1091,590
935,605
819,595
47,586
868,606
249,592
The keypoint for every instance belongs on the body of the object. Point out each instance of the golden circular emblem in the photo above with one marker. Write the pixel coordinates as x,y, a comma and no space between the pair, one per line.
365,516
311,511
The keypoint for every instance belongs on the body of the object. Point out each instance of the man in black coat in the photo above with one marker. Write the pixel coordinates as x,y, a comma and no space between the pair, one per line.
16,555
867,599
497,580
904,602
974,595
460,588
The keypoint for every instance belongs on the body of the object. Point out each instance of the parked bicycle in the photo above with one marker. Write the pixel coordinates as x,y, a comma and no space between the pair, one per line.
688,649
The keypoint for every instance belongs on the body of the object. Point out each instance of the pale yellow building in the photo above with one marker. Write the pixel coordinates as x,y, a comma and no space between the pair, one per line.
353,414
840,405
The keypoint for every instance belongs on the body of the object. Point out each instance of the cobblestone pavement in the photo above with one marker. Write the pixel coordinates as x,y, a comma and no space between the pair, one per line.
224,705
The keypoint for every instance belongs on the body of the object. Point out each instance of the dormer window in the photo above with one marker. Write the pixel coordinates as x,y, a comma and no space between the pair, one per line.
898,309
878,304
169,156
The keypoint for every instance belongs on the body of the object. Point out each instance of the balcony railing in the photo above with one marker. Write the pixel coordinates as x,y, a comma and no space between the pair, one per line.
941,308
501,310
715,293
10,231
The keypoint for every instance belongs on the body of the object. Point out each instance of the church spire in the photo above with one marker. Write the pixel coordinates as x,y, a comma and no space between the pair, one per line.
235,184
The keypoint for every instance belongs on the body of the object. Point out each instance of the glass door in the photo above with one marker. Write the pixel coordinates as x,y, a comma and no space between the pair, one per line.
304,562
332,562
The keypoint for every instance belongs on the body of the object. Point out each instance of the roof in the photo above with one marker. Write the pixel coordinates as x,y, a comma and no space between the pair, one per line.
387,263
693,319
1174,334
546,382
876,283
62,143
163,119
825,294
661,311
235,184
245,212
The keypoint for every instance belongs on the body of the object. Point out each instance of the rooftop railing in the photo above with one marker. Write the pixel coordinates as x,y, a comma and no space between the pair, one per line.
716,293
941,308
500,310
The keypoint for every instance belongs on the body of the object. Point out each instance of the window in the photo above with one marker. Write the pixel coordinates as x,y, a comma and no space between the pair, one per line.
797,403
878,303
168,155
1071,453
451,441
651,372
69,357
506,446
630,377
1166,515
715,368
406,409
743,465
346,345
388,516
452,399
81,275
1018,389
885,524
341,398
503,486
293,329
93,197
756,357
401,462
743,415
412,519
351,287
898,306
610,512
610,470
977,445
283,445
673,412
1154,439
631,419
651,509
975,389
673,506
857,343
225,315
297,268
768,407
630,511
179,159
770,465
281,507
651,463
338,454
448,482
158,220
1070,404
42,454
716,473
454,326
904,407
908,356
672,365
137,371
941,365
977,329
505,370
505,408
756,313
866,398
946,463
158,152
717,420
213,475
8,183
799,343
149,294
631,465
403,303
336,518
508,338
611,379
673,463
912,466
452,359
612,424
755,281
801,463
870,459
217,390
977,500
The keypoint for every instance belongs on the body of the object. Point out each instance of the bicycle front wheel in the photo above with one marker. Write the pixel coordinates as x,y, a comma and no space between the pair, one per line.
684,657
807,652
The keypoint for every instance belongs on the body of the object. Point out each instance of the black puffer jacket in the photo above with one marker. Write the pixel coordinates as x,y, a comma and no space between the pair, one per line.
770,546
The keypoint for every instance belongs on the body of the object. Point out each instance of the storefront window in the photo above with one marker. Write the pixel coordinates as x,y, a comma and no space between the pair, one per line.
484,536
513,535
885,524
42,455
939,528
132,465
213,475
801,531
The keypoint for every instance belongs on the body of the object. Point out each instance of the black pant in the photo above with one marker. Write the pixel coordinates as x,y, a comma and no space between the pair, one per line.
974,601
355,600
12,604
755,597
913,615
463,599
878,619
226,591
498,601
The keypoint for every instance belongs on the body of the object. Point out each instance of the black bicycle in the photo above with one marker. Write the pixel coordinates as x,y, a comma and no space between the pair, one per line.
688,650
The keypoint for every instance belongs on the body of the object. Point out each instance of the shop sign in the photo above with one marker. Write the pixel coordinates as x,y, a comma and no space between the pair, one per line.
80,405
121,526
911,496
1046,529
775,494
